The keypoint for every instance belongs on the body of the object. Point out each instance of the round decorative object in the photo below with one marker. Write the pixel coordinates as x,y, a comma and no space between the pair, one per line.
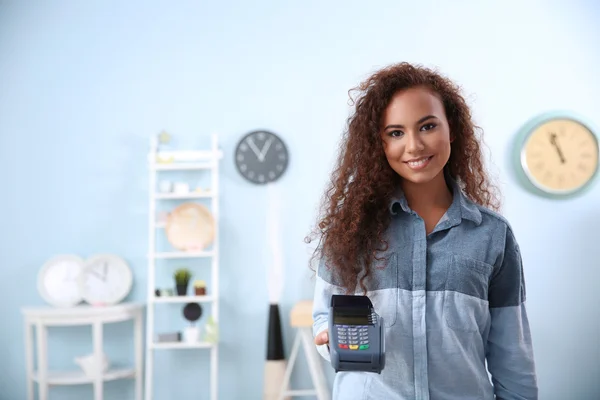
190,227
261,157
557,155
106,279
58,280
192,312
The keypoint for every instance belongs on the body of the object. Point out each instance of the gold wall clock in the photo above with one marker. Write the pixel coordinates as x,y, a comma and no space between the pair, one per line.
557,155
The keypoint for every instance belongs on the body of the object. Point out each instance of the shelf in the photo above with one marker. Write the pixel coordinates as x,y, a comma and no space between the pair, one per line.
182,156
183,299
180,166
181,345
189,195
191,165
78,377
82,314
184,254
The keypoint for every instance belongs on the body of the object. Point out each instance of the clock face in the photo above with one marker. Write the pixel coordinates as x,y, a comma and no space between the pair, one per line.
58,281
261,157
106,280
560,156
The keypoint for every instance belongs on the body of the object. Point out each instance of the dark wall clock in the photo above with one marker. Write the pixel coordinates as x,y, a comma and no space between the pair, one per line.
261,157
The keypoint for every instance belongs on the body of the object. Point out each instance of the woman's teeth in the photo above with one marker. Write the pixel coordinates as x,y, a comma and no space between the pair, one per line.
419,163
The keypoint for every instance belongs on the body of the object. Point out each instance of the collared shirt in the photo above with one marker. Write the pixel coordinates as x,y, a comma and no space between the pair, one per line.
451,301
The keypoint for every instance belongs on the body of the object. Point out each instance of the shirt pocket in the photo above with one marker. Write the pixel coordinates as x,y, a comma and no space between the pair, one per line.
383,289
466,305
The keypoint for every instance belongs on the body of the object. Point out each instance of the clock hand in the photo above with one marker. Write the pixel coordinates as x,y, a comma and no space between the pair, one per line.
557,147
98,274
94,272
254,148
263,153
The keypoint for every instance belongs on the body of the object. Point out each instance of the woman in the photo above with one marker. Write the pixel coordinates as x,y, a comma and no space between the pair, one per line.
409,221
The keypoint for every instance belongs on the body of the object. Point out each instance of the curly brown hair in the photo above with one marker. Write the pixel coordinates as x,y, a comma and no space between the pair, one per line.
354,209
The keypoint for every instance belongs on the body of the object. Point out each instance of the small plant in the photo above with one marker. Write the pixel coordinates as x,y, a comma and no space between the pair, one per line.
182,276
182,279
200,287
212,331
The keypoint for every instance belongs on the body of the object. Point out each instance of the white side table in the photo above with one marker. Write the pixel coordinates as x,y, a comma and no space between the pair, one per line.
41,318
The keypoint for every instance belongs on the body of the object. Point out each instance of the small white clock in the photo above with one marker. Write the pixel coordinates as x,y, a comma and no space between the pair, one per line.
58,280
106,279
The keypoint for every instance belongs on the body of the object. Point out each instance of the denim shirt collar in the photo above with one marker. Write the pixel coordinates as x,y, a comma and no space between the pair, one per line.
461,208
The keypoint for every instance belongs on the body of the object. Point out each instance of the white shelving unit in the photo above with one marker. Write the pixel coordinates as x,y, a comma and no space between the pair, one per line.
39,319
203,162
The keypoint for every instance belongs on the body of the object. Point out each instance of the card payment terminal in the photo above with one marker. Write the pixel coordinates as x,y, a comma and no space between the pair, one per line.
356,337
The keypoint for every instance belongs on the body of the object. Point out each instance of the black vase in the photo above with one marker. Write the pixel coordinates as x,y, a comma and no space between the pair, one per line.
181,289
274,335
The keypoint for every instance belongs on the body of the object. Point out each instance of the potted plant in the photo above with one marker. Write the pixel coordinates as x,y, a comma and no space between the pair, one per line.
182,279
200,288
211,331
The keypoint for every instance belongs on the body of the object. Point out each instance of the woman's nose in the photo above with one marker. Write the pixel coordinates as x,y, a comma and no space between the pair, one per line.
414,144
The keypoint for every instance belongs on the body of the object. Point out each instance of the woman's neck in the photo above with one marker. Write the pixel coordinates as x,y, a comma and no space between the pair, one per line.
425,198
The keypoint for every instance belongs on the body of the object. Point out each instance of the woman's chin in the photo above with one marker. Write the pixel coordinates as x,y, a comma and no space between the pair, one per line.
420,177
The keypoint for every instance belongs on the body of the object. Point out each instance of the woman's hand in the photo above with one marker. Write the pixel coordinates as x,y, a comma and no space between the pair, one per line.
322,338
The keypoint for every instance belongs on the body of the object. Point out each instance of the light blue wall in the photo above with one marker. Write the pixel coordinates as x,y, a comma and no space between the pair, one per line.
84,84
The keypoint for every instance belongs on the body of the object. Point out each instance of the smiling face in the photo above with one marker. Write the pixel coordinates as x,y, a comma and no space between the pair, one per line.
416,135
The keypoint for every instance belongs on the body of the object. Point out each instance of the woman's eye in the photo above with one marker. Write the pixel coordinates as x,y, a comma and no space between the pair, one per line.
428,127
396,133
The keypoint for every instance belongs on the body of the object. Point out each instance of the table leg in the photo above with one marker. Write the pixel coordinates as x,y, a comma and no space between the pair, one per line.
98,379
314,365
139,354
29,358
42,349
